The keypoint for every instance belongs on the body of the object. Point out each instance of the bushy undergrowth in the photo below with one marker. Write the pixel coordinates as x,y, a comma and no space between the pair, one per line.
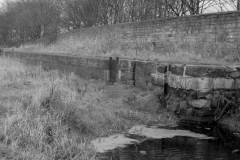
49,115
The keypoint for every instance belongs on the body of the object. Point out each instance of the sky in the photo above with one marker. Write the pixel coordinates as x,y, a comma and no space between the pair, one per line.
1,2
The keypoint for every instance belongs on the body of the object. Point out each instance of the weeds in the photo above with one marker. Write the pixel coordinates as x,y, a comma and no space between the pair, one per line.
48,115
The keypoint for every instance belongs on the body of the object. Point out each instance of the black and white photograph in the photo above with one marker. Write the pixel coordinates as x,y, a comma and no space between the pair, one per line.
119,79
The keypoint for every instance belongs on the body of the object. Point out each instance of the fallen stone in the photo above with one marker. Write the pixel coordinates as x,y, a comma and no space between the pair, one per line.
209,96
200,103
143,152
236,134
235,74
235,151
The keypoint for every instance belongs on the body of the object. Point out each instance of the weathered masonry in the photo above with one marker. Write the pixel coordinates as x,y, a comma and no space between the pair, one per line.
142,74
194,89
198,92
203,38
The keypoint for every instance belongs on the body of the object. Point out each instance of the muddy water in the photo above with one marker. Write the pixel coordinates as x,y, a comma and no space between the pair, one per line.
222,147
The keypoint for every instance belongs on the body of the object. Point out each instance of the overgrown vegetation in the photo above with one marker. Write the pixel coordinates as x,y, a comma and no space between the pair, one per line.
49,115
74,27
24,21
229,117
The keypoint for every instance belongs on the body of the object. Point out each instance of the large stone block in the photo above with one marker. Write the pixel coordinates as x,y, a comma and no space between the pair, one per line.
200,103
223,83
235,74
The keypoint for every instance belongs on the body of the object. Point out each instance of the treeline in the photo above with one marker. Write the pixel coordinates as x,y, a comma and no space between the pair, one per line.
28,20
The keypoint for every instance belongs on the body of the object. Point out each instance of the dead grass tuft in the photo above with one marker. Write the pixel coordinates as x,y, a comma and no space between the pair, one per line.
47,115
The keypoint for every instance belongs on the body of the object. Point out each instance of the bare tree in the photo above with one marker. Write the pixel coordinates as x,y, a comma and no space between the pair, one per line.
80,13
188,7
226,5
238,5
176,7
27,20
30,20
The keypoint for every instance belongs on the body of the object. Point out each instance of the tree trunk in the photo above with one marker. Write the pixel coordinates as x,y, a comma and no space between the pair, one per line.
238,5
42,30
197,7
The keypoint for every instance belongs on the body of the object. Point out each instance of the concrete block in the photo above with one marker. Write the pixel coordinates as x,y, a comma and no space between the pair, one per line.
237,84
223,83
200,103
204,84
206,71
235,74
190,83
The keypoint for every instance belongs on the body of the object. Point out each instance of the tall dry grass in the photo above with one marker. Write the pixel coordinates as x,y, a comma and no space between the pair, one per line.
49,115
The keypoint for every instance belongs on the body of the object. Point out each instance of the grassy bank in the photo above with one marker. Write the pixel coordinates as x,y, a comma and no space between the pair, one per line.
49,115
109,41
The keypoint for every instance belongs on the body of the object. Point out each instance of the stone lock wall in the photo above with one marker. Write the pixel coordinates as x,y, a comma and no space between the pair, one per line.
199,38
144,74
189,89
212,38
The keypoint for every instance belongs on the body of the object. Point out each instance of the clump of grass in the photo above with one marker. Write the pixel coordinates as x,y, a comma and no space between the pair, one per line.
48,115
43,121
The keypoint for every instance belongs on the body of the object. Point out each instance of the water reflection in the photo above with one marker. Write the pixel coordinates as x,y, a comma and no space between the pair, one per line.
178,148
